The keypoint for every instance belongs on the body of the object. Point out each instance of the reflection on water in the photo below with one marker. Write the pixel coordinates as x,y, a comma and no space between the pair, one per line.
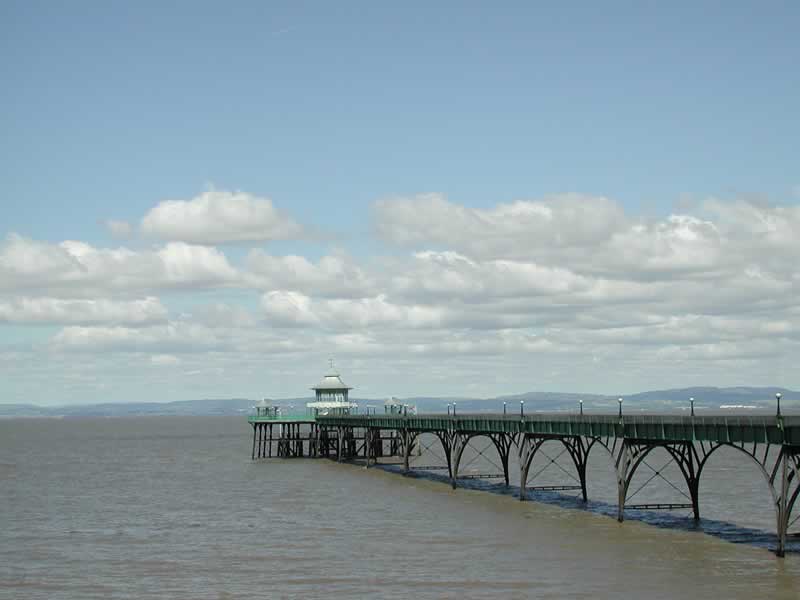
173,507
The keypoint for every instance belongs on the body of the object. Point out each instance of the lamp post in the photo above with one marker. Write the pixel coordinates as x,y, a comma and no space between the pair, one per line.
448,409
504,409
778,398
620,407
454,409
581,406
522,408
691,403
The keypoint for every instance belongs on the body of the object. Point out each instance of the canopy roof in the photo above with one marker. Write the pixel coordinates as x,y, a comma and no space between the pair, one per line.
331,381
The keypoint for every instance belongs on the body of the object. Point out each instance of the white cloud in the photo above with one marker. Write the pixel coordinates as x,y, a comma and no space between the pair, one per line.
77,268
593,236
170,338
22,260
218,217
449,274
295,309
678,244
506,231
334,276
221,314
185,264
54,310
289,308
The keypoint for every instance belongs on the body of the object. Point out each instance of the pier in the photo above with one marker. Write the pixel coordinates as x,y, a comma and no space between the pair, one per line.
772,443
331,428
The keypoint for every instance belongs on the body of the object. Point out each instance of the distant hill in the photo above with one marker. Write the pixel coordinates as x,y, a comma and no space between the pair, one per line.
711,395
672,400
184,407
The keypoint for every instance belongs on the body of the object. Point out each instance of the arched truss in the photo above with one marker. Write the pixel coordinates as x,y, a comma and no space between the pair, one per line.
407,440
411,440
459,442
781,471
632,454
692,457
529,445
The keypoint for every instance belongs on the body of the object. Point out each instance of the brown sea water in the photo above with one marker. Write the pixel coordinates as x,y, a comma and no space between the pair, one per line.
174,508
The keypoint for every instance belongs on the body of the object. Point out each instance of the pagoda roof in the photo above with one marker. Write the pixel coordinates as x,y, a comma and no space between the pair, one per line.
331,382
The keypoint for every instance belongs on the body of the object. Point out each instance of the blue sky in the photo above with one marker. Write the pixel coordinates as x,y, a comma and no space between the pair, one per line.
327,108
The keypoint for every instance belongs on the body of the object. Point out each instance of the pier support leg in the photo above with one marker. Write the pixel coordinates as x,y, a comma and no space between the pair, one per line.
253,453
783,504
502,442
526,450
688,461
459,443
579,453
407,439
623,465
270,440
312,441
582,477
368,446
377,445
325,442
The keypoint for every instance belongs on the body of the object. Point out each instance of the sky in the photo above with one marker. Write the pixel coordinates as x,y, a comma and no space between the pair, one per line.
210,200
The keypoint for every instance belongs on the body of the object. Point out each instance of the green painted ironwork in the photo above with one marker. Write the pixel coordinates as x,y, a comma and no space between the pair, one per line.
281,419
772,441
664,428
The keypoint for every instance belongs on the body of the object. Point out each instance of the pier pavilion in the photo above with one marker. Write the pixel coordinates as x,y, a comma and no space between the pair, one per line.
332,396
284,434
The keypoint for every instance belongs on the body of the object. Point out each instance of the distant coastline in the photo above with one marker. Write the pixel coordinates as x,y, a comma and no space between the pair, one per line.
707,399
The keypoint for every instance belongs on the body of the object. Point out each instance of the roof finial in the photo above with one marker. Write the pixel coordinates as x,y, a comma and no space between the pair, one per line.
330,363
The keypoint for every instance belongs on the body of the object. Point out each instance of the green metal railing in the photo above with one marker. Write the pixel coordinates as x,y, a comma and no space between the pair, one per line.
282,418
722,429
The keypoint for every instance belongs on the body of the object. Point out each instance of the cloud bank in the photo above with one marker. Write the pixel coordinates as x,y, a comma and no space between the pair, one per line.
564,292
